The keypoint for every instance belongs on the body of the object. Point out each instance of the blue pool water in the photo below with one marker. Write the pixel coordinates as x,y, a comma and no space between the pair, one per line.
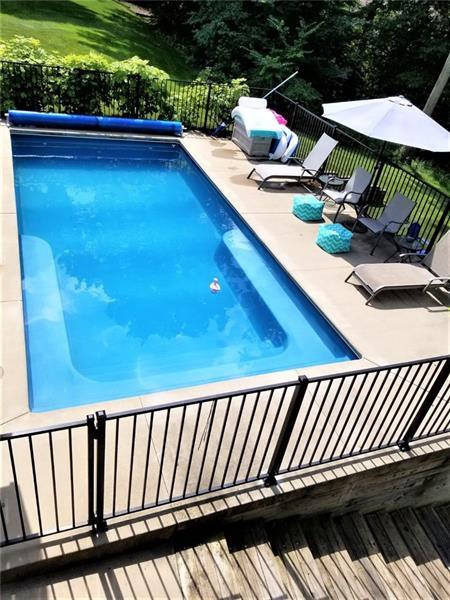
120,241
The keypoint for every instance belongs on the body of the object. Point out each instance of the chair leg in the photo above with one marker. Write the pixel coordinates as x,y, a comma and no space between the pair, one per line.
348,277
377,241
370,299
340,207
355,224
250,174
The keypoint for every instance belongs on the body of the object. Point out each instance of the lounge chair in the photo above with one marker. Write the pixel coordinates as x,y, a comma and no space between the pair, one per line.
307,169
391,219
352,193
433,271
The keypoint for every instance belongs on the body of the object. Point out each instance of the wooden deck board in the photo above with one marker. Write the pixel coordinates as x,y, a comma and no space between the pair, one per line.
248,569
274,582
224,565
422,550
397,557
296,563
331,564
400,555
197,573
354,574
436,531
367,558
443,512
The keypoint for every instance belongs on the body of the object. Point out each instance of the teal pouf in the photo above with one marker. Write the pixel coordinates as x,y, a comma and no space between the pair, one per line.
307,207
334,238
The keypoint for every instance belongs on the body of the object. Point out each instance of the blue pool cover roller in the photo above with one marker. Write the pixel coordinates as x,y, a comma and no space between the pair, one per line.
24,117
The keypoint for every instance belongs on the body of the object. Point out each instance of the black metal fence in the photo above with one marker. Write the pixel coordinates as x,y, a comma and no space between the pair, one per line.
203,106
49,88
90,472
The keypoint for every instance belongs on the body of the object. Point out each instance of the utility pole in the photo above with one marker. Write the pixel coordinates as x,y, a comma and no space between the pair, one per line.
438,88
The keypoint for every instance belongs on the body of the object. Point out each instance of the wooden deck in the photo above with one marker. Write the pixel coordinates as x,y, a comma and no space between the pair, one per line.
397,555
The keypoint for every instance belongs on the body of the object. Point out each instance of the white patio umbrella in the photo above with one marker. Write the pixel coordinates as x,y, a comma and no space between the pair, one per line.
394,120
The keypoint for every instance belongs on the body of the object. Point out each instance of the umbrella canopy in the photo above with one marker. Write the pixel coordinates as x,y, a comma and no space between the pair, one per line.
393,119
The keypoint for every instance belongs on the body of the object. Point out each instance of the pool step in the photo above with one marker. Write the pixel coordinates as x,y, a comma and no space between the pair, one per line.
292,310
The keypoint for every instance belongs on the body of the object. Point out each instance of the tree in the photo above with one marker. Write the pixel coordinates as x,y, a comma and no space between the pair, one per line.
438,88
403,46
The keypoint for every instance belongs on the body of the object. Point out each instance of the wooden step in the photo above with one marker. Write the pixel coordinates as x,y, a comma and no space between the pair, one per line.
296,563
422,548
443,511
269,566
376,576
198,572
423,551
436,530
333,560
396,555
256,573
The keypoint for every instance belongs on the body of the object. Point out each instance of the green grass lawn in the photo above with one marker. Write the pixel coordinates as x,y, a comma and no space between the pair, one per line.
80,26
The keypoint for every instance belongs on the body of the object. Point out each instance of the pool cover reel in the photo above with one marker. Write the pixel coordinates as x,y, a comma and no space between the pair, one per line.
24,117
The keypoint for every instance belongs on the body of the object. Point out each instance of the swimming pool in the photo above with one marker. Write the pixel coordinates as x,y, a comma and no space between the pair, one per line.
120,241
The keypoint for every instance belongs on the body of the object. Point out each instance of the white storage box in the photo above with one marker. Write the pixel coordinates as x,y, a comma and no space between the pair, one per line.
255,147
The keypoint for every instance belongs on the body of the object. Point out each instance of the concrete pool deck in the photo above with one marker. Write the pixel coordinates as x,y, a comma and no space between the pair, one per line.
398,327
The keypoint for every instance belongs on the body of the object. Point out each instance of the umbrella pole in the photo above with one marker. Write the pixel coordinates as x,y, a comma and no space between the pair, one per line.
377,174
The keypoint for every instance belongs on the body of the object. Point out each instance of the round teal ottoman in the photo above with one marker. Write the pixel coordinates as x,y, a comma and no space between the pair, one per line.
307,207
334,238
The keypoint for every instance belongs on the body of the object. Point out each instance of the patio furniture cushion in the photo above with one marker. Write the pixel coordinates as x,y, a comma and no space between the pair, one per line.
307,207
334,238
434,271
401,275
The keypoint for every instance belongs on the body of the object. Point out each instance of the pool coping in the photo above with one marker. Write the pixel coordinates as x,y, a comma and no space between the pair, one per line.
14,373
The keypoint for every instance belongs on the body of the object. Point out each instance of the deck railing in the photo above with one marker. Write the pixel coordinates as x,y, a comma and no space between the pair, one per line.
91,472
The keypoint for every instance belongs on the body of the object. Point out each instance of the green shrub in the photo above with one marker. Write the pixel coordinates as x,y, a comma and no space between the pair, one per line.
18,89
85,88
140,89
90,84
83,84
29,50
191,102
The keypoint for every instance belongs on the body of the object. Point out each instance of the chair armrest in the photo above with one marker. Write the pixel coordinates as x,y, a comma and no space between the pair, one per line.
437,281
313,174
417,255
394,223
350,193
334,174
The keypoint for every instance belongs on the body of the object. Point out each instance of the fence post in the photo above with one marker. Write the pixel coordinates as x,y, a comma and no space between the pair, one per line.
207,106
100,523
440,226
137,96
90,456
286,431
403,444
